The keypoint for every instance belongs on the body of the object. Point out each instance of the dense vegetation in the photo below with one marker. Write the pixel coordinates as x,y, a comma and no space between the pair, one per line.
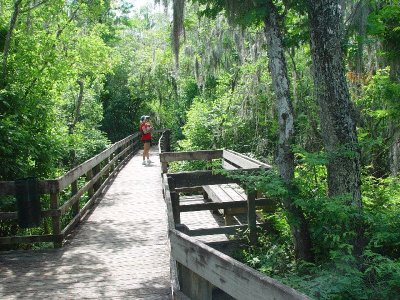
310,86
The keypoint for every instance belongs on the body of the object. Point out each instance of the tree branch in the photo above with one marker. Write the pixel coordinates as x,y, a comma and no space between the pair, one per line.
7,42
78,103
27,9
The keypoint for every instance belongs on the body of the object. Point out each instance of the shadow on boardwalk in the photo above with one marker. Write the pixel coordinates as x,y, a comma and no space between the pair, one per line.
119,252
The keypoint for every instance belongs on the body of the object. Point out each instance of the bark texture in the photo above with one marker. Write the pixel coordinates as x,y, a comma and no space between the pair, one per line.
285,157
177,27
331,92
7,42
76,116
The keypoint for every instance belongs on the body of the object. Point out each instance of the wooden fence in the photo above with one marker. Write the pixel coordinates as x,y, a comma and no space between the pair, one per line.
198,271
96,172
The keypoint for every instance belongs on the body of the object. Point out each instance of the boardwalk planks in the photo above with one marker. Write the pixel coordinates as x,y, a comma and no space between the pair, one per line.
116,253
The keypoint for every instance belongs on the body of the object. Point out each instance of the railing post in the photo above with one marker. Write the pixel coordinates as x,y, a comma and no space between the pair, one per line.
175,207
251,216
55,221
135,145
164,167
106,174
174,201
74,190
121,149
112,166
89,176
193,285
128,153
167,134
96,170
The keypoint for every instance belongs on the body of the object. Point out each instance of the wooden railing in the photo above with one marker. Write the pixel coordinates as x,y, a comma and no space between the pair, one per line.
198,271
194,180
95,172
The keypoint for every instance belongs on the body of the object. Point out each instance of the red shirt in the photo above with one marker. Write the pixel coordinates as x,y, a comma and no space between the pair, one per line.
145,136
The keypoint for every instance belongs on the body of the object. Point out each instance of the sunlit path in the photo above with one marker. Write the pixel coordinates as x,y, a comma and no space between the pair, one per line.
120,251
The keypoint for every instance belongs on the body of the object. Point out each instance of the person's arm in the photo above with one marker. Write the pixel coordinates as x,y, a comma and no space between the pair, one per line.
147,128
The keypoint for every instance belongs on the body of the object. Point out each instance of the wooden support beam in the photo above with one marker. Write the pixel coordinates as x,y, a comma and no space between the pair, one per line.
175,207
197,178
193,285
167,197
89,176
190,155
29,239
74,191
223,205
174,198
13,215
164,167
192,189
56,221
7,188
97,183
251,216
231,230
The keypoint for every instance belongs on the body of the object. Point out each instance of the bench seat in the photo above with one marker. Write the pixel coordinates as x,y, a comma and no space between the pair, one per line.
226,193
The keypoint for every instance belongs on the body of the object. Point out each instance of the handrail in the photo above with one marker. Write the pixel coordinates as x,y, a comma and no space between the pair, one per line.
194,264
97,171
226,273
72,175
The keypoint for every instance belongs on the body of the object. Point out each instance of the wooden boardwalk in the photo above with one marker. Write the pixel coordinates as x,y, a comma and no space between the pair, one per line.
119,252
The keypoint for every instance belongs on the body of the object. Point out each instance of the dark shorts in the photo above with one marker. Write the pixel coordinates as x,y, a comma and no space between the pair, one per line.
147,141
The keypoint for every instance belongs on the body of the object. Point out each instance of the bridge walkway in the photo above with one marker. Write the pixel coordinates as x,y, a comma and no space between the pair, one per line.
120,251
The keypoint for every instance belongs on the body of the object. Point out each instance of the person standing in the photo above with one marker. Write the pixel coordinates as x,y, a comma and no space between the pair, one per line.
146,128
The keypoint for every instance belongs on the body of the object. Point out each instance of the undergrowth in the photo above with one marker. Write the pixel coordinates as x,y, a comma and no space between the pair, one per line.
335,273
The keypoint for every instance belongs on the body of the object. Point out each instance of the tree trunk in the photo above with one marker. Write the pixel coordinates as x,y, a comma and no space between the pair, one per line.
394,151
285,157
6,51
76,116
77,113
177,27
362,31
331,91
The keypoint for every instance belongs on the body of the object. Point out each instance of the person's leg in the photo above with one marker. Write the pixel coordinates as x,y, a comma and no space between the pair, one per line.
147,150
144,153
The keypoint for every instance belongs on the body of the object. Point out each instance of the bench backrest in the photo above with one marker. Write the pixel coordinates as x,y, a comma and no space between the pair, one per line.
233,160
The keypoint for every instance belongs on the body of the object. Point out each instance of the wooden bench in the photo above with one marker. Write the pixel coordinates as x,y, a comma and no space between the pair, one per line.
226,193
232,160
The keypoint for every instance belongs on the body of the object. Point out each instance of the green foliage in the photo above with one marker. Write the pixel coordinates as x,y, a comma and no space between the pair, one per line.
220,97
385,23
266,181
120,108
382,203
273,255
335,273
37,104
201,128
380,97
380,108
